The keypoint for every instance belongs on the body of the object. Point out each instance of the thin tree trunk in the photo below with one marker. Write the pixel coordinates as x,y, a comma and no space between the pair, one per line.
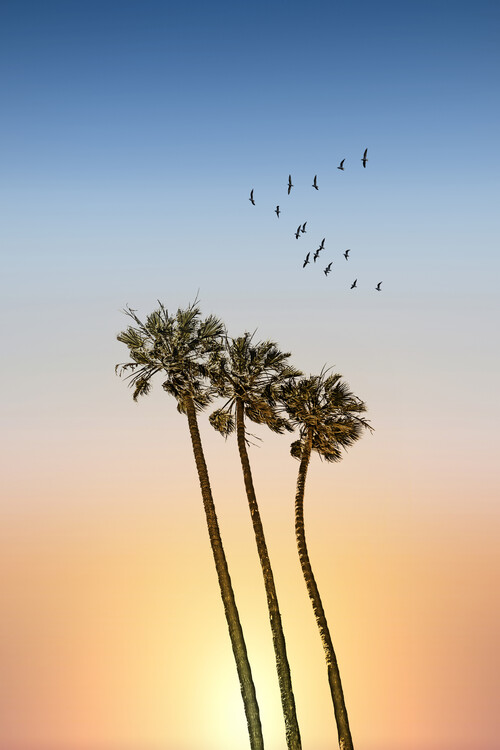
282,666
226,589
344,733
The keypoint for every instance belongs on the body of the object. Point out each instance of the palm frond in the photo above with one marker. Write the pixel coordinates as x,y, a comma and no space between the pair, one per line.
296,449
131,337
223,421
142,388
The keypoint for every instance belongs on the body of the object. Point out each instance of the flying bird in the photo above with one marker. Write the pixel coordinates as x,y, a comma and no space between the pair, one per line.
315,183
364,159
327,269
320,248
297,233
290,186
341,165
316,255
251,198
346,254
354,283
304,264
277,211
303,230
378,287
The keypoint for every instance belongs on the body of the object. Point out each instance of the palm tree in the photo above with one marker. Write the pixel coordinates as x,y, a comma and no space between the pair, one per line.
182,347
327,416
249,375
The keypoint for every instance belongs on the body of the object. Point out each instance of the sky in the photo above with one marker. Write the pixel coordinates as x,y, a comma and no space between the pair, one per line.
131,134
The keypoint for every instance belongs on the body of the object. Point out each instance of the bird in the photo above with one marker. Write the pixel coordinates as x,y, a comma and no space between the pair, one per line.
297,233
364,159
354,283
378,287
303,230
320,248
341,165
327,269
251,198
315,184
290,186
346,254
304,264
277,211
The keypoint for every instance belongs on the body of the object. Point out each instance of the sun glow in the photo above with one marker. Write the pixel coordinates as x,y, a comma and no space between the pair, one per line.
220,715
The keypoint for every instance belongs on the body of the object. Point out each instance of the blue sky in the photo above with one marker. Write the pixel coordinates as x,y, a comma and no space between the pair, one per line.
135,90
132,99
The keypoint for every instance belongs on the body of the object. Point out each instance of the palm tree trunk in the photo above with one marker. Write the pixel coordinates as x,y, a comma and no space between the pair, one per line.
344,733
282,666
226,589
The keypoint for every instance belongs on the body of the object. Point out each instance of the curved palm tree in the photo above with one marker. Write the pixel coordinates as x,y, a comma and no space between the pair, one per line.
249,375
182,347
327,416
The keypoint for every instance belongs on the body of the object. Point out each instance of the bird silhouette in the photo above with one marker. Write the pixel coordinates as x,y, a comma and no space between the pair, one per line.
304,264
354,283
320,248
316,255
297,233
290,186
378,287
303,230
315,183
251,198
364,159
341,165
277,211
327,269
346,254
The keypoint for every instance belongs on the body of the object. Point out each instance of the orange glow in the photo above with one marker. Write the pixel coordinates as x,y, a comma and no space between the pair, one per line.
113,632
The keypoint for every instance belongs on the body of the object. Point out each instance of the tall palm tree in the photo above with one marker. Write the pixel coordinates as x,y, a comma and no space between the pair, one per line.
182,348
328,417
249,375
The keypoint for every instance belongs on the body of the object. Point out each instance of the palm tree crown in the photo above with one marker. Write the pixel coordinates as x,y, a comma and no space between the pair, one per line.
324,409
253,373
181,346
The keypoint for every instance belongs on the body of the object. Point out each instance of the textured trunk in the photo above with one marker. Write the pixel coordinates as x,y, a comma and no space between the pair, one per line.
226,589
345,739
282,666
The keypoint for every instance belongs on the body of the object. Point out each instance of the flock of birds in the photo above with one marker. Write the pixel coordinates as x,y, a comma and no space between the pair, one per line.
301,229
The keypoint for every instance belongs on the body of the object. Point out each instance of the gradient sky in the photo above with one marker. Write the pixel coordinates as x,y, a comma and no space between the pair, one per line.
131,134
